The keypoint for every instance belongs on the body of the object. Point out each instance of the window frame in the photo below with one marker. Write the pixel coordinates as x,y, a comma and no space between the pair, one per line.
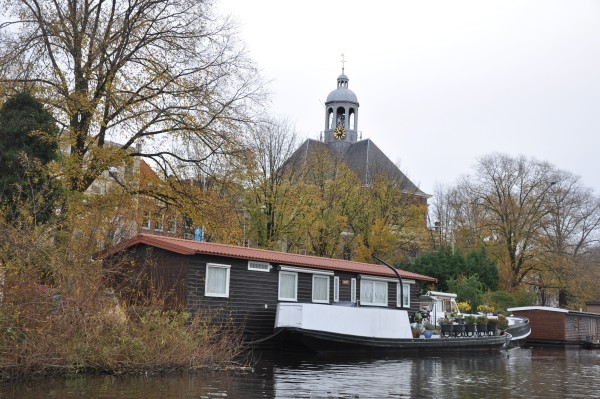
336,289
353,290
374,282
316,277
287,299
405,288
171,226
159,222
252,265
147,220
227,280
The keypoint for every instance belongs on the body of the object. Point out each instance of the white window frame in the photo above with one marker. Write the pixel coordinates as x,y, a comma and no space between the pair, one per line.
406,289
353,290
336,289
305,270
259,266
373,281
316,277
217,294
290,299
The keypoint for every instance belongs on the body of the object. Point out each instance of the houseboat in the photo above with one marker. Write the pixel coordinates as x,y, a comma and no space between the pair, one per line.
555,326
248,284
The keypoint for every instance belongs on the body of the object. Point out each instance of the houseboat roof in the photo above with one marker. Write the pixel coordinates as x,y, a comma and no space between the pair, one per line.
191,247
553,309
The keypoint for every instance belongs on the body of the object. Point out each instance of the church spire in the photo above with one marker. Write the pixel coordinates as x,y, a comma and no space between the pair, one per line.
341,114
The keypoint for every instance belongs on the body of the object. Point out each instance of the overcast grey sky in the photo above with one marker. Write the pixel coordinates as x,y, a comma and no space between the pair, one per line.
440,83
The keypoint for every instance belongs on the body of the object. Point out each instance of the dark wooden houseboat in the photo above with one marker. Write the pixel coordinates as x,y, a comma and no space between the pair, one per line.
555,326
249,283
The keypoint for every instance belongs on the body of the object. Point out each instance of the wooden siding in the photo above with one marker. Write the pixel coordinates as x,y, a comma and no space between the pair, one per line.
162,271
561,327
252,297
545,326
345,290
582,327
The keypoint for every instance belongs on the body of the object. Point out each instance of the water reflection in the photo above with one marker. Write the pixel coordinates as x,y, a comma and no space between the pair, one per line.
531,373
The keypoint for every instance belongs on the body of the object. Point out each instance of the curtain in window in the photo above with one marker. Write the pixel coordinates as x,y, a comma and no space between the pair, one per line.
380,293
320,288
406,295
216,280
287,285
366,291
373,292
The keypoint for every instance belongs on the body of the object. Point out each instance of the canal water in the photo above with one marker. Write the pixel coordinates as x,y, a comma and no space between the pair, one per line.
517,373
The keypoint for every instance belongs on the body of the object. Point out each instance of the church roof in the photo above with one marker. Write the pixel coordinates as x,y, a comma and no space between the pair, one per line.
342,94
365,159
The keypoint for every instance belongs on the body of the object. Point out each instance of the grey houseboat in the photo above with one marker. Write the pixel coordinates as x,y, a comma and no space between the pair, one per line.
249,283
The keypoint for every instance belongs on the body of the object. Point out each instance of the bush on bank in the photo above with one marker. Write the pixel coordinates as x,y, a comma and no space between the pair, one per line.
58,316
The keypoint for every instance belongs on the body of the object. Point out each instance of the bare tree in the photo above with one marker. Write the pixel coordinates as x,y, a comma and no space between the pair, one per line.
271,145
508,198
151,72
572,229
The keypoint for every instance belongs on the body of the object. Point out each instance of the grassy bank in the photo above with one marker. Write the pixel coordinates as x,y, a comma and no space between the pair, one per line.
53,334
58,315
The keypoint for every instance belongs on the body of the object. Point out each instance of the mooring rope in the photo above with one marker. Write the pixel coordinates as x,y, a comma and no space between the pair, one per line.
264,339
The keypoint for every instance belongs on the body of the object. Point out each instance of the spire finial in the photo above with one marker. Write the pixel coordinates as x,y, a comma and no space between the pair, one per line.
343,61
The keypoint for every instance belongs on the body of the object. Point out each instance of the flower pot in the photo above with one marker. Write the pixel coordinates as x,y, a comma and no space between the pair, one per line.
491,329
428,333
458,330
470,330
416,333
446,330
482,329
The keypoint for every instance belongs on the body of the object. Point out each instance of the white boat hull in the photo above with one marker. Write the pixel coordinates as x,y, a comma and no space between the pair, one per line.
348,320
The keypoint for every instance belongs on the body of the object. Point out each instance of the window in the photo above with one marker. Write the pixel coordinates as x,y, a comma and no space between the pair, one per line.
158,222
259,266
320,288
288,286
336,289
146,220
406,292
373,292
353,290
172,226
217,280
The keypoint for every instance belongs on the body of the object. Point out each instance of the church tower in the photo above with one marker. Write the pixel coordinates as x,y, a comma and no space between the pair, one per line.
341,115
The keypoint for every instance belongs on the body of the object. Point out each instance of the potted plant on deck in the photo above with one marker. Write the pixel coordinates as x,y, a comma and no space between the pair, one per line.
502,323
491,326
482,325
459,327
446,326
428,330
416,329
470,329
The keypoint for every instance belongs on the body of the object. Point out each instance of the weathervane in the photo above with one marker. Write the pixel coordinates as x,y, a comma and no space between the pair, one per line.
343,61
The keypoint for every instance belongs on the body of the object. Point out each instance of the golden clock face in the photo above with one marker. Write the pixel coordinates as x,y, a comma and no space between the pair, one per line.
339,133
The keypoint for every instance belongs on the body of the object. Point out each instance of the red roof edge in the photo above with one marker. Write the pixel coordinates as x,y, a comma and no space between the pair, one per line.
189,247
